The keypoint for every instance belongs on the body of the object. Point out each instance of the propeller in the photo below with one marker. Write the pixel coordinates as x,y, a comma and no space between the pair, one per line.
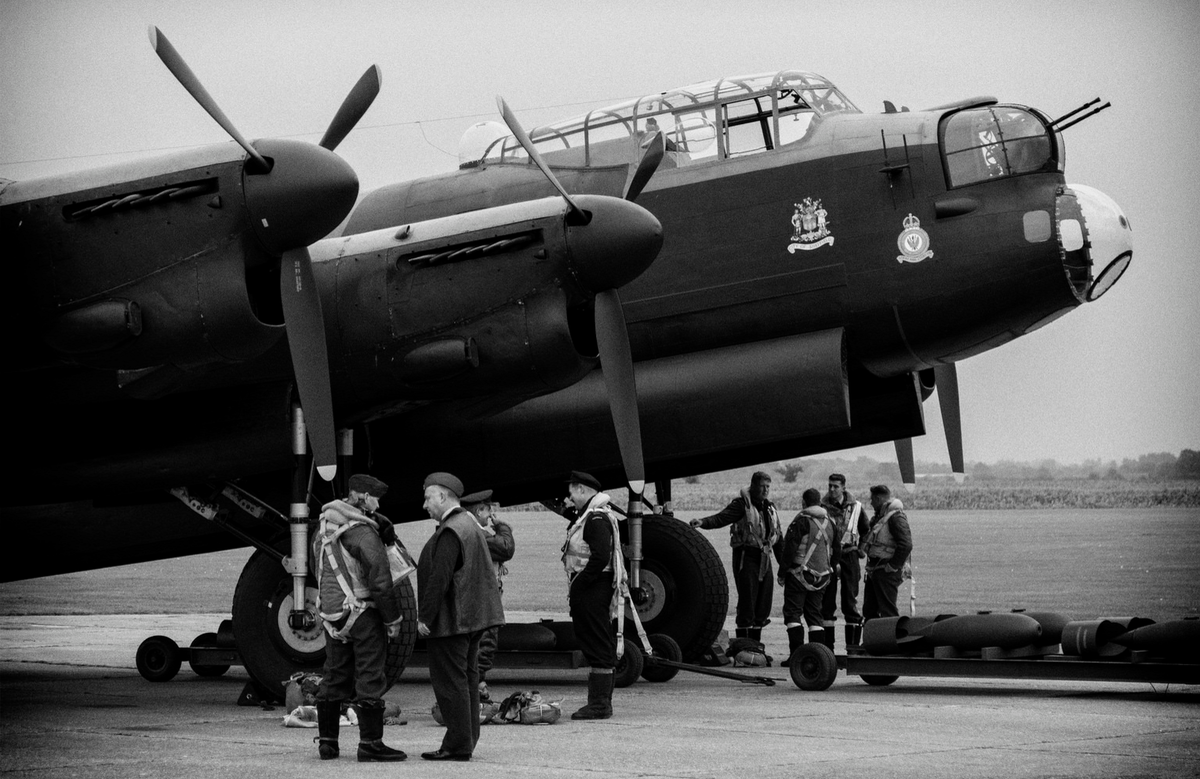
353,107
184,75
946,380
296,194
904,458
612,336
655,147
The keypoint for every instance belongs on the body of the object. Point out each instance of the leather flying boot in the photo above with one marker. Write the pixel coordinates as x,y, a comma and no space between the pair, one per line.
599,705
371,748
816,635
830,633
853,635
795,636
754,634
328,715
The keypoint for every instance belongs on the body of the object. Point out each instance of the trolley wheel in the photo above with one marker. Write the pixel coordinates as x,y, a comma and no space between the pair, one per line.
158,659
878,680
206,640
665,647
629,667
813,667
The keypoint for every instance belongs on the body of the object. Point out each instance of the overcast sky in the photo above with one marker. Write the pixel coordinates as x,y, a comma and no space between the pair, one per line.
80,86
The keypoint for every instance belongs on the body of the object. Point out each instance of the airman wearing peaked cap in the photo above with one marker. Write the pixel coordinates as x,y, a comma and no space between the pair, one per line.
447,480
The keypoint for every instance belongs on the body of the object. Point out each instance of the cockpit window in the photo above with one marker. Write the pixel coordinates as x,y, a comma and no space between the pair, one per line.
988,143
712,120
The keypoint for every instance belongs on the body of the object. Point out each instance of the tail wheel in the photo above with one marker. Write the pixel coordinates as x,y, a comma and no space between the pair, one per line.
664,647
629,666
687,594
878,680
813,667
158,659
271,649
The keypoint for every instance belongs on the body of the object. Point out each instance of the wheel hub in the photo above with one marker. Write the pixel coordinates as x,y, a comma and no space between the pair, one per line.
305,640
654,593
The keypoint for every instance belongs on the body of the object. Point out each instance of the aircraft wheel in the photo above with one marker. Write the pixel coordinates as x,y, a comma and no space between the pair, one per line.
206,640
813,667
158,659
665,647
878,680
271,649
684,580
629,667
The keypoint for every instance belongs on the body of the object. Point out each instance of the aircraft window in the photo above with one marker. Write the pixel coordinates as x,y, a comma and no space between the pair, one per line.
993,142
747,126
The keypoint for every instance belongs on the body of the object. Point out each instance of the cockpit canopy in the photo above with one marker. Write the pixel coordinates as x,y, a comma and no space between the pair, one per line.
714,120
990,142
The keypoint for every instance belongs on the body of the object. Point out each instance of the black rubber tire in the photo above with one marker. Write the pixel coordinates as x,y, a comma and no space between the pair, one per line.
158,659
629,666
206,640
665,647
262,589
813,667
690,581
878,680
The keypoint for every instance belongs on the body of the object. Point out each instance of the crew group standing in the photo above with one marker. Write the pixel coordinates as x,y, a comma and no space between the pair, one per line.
887,546
755,536
457,601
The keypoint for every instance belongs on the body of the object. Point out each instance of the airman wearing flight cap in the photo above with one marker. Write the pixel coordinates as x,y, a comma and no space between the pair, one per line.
888,544
458,600
595,569
360,612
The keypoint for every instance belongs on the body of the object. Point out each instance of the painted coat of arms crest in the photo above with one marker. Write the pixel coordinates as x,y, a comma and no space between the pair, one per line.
810,226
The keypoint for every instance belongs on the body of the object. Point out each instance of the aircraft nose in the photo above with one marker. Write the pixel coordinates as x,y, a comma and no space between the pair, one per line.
1107,235
616,246
307,193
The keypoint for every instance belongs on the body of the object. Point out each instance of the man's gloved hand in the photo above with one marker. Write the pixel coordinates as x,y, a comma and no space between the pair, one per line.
387,532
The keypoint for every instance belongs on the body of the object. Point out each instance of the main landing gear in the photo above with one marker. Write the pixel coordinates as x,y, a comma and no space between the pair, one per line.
275,631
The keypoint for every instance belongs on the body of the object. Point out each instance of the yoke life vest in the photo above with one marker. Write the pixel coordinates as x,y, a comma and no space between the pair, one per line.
811,562
879,544
757,529
847,522
332,561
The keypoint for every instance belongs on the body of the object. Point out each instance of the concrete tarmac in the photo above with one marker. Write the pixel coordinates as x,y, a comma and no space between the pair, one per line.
72,704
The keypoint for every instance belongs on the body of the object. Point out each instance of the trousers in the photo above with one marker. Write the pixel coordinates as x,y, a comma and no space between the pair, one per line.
754,592
355,669
454,674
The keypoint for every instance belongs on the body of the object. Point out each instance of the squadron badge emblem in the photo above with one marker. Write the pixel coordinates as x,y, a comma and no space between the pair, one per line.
810,228
913,241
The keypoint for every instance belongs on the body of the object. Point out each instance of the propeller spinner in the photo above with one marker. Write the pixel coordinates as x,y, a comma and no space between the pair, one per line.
296,194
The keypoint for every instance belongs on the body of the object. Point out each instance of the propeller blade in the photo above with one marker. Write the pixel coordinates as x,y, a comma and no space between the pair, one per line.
184,75
310,356
651,157
353,108
523,138
904,458
616,362
946,380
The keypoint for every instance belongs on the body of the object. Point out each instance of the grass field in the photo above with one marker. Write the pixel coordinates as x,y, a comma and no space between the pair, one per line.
1087,563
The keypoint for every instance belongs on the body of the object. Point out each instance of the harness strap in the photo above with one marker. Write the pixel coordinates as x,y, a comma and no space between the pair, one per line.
354,605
